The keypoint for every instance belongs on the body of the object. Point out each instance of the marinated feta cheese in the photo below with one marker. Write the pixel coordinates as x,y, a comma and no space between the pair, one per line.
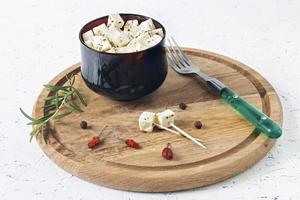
101,43
146,121
153,40
115,20
117,37
166,118
131,27
146,25
106,45
89,43
123,37
132,44
112,50
88,35
119,50
100,30
158,31
141,41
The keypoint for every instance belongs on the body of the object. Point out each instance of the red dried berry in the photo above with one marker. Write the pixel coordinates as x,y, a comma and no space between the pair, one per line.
131,143
167,152
93,142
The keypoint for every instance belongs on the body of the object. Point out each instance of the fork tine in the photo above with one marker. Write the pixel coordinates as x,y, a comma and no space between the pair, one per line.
171,62
171,55
171,59
182,54
175,54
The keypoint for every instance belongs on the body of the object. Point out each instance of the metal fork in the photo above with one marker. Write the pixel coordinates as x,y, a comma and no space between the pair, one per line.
180,62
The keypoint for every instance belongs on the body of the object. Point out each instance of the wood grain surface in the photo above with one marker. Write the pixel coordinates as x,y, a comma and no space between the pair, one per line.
233,144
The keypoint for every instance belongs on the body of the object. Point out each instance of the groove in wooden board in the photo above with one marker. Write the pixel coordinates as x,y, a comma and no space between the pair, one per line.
225,133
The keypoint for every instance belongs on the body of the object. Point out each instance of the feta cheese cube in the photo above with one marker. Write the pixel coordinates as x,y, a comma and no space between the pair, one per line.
122,40
140,47
112,50
97,39
89,43
117,37
131,24
153,40
125,49
132,43
106,45
157,31
115,20
146,25
138,33
166,118
141,42
133,46
143,38
119,50
146,121
88,35
97,47
131,27
97,43
101,43
100,30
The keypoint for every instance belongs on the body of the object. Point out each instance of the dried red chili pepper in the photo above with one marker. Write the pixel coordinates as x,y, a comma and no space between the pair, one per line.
93,142
167,152
96,139
131,143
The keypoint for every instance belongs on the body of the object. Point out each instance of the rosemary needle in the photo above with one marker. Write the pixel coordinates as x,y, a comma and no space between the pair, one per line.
61,97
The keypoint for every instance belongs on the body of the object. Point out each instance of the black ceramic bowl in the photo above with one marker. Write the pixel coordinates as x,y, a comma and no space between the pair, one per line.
123,76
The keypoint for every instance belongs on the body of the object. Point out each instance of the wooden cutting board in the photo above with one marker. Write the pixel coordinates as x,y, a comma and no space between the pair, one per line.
232,144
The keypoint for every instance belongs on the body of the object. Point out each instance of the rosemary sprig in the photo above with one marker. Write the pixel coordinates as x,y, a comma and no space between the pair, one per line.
63,97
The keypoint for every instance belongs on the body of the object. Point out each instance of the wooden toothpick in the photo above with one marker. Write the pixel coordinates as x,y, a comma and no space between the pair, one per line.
188,136
172,131
167,129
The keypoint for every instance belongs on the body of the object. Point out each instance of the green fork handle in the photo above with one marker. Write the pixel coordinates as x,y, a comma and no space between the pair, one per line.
261,121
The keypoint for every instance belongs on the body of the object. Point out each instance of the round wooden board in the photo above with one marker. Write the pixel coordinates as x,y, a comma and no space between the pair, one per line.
232,144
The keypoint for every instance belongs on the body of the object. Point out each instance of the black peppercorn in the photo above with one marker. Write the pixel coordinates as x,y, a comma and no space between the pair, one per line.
198,124
83,125
182,106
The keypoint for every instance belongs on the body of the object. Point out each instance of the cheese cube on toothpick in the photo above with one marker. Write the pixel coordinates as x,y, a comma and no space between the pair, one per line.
146,121
166,118
172,131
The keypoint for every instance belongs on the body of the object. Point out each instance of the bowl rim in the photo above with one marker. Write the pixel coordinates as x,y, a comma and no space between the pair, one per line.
130,53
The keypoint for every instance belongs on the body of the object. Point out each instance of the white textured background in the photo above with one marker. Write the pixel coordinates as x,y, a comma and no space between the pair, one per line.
40,38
